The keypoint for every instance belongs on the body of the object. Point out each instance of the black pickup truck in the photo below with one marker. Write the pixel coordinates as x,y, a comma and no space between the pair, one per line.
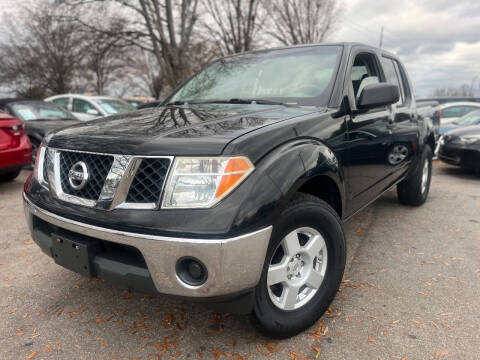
234,191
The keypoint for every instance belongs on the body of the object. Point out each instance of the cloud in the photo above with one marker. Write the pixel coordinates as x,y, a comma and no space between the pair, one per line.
437,39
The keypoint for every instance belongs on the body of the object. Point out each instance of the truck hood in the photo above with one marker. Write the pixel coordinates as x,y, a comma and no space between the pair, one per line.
172,130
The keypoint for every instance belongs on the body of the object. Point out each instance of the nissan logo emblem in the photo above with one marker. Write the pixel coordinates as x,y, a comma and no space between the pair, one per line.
78,175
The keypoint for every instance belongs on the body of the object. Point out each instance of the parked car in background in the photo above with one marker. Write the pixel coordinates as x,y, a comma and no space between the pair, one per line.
39,117
449,112
149,105
86,107
472,118
134,102
426,109
450,99
461,147
15,148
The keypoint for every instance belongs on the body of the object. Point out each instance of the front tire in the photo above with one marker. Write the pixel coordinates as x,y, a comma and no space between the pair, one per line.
414,189
303,268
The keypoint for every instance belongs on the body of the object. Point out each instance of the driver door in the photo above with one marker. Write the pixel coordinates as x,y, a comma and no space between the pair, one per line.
369,135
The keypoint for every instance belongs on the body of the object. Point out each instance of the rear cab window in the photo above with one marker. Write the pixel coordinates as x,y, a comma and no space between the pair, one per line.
392,76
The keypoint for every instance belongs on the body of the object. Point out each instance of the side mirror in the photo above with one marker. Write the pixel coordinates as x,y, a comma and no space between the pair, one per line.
376,95
93,112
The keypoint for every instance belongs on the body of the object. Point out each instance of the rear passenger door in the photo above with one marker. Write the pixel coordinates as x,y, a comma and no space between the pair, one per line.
403,127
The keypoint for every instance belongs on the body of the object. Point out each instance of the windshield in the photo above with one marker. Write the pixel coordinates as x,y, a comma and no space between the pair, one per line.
302,76
470,119
39,110
112,106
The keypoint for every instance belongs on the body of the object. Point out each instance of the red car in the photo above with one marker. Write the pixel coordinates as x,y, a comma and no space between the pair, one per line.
15,148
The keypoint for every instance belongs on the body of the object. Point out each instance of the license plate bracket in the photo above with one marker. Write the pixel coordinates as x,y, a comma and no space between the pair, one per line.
76,255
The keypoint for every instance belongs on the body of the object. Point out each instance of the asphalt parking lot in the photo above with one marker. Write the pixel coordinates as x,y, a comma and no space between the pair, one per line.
411,291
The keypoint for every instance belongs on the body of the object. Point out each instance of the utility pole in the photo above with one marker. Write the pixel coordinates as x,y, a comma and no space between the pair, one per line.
381,37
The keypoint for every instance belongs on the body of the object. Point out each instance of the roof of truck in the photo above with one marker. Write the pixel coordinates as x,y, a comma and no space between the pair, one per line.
343,44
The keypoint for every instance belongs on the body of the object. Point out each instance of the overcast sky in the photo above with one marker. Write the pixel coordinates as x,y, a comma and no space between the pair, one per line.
438,40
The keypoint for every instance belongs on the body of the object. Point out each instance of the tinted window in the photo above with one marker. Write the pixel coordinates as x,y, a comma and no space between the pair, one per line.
81,106
364,72
391,76
63,102
112,106
39,110
404,90
302,76
457,111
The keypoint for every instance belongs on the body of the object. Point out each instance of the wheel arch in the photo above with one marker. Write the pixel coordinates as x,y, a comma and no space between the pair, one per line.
309,166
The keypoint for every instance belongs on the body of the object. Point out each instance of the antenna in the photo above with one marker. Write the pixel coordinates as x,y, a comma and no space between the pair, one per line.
381,37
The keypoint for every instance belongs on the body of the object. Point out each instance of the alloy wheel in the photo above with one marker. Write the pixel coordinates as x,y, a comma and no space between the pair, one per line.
297,268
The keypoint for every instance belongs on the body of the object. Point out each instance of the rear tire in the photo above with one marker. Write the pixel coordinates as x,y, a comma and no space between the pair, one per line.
9,176
312,279
414,189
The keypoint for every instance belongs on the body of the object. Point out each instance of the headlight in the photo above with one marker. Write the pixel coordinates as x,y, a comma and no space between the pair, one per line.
201,182
38,169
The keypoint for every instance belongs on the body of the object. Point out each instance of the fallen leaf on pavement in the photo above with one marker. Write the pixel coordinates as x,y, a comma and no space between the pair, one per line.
32,355
439,353
318,350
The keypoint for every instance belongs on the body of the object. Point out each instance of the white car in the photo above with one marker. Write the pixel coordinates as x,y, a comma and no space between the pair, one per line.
90,107
448,113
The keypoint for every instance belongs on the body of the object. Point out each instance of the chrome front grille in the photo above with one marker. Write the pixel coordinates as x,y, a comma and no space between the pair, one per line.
148,182
98,166
112,181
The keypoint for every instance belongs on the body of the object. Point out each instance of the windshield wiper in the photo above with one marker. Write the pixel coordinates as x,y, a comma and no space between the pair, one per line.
232,101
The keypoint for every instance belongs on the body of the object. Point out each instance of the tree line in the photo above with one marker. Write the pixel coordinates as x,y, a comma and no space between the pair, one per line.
127,47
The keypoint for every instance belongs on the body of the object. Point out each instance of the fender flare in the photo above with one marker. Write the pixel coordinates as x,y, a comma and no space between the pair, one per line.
292,164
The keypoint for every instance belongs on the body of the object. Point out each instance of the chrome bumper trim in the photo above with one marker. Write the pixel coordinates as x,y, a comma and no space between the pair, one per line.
233,264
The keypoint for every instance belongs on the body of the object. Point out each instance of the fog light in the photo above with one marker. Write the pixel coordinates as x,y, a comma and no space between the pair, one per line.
191,271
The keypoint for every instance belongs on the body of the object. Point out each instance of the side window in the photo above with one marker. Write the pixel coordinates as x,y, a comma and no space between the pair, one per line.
62,102
392,77
469,109
456,111
81,106
402,77
364,72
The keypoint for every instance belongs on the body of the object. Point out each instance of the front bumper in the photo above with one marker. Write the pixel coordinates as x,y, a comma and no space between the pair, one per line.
234,264
460,156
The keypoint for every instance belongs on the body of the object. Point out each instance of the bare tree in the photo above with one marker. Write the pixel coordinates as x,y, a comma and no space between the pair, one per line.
143,74
162,27
233,24
295,22
41,54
